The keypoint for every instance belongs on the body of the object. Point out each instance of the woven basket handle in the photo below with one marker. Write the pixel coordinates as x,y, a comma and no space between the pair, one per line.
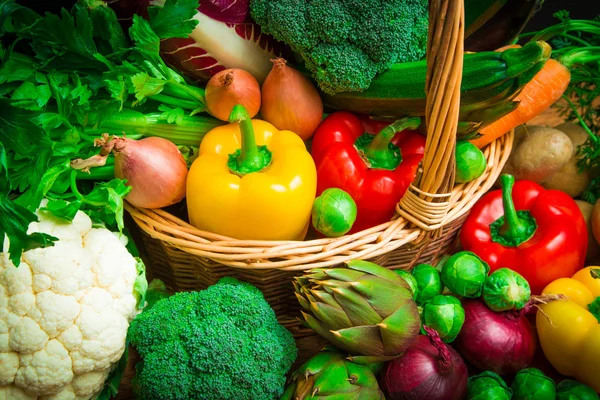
426,203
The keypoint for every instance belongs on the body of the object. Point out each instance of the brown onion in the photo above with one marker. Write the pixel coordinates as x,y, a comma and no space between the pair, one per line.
154,168
230,87
290,101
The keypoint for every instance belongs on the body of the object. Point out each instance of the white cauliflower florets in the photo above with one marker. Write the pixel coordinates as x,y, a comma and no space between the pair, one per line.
64,312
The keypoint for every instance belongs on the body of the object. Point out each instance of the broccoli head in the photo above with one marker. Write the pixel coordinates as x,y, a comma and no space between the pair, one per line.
220,343
345,43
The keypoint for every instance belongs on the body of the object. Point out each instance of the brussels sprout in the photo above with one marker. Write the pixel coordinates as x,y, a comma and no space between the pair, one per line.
488,386
412,282
333,212
446,315
532,384
428,281
506,290
464,274
573,390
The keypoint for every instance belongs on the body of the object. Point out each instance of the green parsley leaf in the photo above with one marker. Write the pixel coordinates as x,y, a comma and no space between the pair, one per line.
105,202
171,115
174,19
63,209
146,86
15,220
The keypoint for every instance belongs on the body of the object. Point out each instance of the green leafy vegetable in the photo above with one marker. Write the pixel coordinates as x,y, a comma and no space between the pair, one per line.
464,274
66,79
333,212
14,220
488,386
410,279
446,315
532,384
569,389
428,281
505,290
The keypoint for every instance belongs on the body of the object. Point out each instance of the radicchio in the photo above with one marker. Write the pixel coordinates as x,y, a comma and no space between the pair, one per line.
225,37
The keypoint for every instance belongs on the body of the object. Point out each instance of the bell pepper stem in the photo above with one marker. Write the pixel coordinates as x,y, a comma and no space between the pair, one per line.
378,151
250,158
515,227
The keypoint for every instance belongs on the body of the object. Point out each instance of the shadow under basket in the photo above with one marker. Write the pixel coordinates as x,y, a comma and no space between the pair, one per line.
427,220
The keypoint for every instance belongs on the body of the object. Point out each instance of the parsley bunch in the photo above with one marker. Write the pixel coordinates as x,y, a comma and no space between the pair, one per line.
64,80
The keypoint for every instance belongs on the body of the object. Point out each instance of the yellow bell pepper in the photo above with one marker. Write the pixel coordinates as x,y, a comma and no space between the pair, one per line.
569,333
252,181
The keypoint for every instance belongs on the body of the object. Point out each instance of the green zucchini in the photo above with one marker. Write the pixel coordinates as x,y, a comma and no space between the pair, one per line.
488,78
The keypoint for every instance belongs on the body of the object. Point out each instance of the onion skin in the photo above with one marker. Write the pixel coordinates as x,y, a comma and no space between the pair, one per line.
154,168
230,87
422,373
290,101
502,342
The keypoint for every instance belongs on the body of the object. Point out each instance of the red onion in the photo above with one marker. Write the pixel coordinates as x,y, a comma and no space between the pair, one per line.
502,342
429,370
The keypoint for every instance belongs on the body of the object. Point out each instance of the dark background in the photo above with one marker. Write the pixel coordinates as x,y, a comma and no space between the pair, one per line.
578,9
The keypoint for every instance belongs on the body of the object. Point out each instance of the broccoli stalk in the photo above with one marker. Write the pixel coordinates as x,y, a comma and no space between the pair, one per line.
345,43
220,343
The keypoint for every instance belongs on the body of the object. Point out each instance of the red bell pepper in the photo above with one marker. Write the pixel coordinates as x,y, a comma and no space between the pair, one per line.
539,233
375,170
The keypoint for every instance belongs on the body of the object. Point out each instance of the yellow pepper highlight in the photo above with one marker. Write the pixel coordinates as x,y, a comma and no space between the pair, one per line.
239,188
569,333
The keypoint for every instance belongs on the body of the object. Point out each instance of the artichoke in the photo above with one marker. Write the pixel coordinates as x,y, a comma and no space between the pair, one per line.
329,375
365,309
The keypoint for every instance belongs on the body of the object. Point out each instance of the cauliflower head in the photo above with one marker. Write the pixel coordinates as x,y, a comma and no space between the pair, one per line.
64,312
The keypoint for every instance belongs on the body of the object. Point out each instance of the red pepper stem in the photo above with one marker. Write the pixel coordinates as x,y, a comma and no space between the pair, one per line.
378,150
250,158
514,229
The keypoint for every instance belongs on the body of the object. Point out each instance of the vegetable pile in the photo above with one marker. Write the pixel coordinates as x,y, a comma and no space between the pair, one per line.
286,120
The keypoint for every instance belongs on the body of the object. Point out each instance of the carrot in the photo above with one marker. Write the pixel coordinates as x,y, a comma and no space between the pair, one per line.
508,46
539,94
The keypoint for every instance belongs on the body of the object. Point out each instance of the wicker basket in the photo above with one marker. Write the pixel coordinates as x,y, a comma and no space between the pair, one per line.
427,221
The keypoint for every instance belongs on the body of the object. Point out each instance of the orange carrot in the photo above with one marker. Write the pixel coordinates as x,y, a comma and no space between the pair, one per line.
508,46
539,94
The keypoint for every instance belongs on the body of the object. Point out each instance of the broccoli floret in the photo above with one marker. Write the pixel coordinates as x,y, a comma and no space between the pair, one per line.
220,343
345,43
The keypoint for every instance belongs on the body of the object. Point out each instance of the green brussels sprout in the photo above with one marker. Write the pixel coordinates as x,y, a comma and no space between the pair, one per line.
428,281
333,212
464,274
506,290
412,282
573,390
488,386
532,384
446,315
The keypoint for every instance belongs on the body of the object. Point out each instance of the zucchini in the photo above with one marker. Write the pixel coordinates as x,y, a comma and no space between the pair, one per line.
488,78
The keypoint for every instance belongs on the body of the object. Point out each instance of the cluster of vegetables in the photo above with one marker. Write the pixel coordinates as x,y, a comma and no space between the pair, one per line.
401,335
250,149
